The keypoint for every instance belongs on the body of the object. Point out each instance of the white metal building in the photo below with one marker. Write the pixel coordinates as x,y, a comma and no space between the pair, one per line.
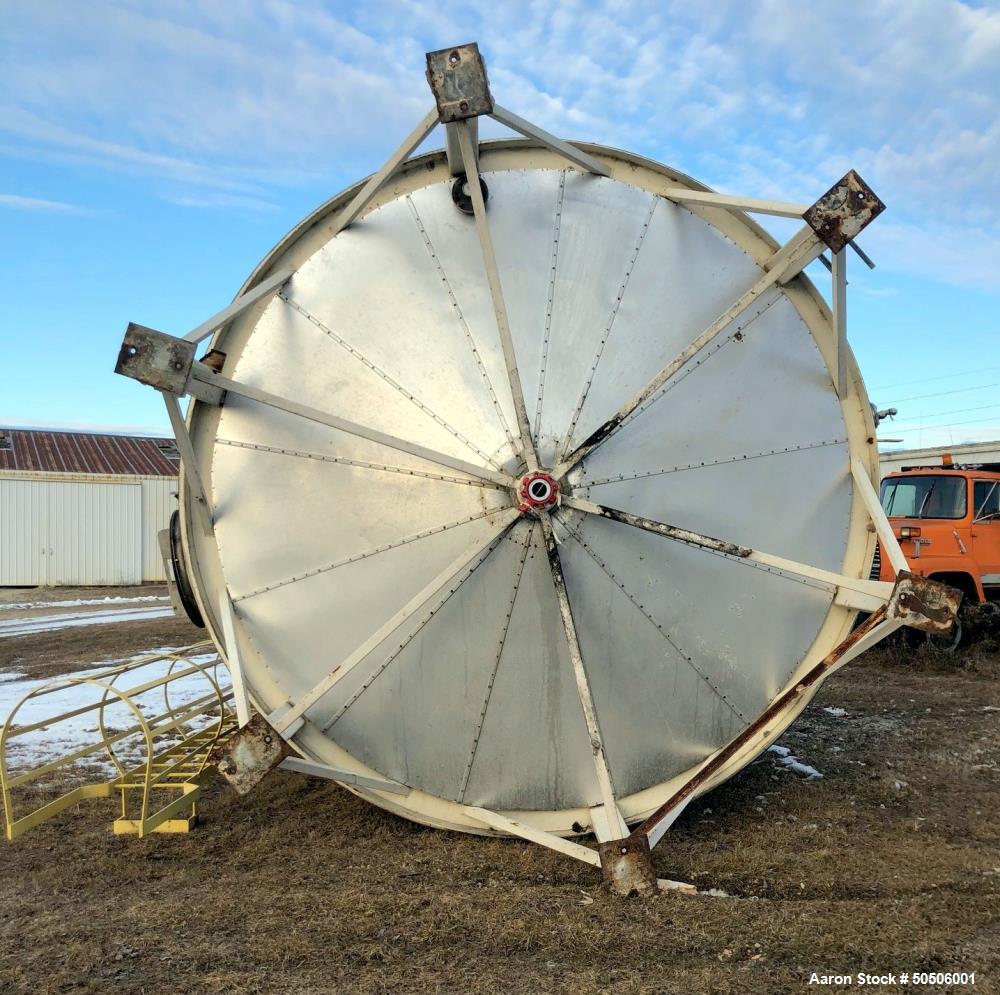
80,508
891,460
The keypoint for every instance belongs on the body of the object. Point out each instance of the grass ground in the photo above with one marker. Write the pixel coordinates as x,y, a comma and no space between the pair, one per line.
889,863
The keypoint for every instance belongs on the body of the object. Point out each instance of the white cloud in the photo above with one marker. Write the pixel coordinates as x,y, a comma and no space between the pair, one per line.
18,203
226,104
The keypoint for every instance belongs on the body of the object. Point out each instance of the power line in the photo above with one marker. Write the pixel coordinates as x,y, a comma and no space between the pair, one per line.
944,376
930,428
953,411
942,393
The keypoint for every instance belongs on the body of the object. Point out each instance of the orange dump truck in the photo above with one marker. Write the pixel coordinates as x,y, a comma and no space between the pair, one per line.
947,520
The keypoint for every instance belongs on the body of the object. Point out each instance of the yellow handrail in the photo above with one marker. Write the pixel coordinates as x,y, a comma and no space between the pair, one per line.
147,776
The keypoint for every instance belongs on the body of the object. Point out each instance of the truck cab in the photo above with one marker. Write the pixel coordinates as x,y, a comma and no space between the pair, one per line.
947,520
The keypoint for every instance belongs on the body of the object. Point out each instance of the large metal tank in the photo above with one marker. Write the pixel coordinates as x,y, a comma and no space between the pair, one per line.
506,629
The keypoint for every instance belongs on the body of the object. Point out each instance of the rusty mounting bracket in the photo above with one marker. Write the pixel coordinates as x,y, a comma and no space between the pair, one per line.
844,211
627,866
163,361
923,604
250,754
457,78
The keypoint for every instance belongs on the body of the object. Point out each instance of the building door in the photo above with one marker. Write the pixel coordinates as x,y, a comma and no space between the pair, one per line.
24,533
62,532
95,533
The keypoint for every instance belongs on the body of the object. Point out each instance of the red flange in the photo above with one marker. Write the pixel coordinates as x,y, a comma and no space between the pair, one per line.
538,491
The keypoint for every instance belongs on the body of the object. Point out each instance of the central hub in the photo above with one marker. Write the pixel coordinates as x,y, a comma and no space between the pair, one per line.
537,491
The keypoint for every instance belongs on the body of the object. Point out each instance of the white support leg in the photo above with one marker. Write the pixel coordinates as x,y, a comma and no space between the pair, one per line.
203,510
839,272
309,767
600,758
496,821
233,661
496,293
867,591
203,375
887,538
800,250
529,130
477,550
374,184
265,287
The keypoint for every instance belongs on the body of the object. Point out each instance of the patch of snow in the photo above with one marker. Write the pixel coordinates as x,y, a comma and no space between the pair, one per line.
792,763
80,602
715,893
834,711
60,738
51,623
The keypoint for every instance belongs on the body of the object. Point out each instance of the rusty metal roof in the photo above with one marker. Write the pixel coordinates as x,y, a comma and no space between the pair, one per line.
46,451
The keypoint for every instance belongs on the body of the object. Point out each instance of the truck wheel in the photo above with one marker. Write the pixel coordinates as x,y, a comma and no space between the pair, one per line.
948,643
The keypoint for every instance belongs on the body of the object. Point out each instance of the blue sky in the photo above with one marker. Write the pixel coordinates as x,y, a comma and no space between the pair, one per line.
151,154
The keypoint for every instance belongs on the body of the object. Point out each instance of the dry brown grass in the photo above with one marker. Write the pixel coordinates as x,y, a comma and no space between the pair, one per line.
303,888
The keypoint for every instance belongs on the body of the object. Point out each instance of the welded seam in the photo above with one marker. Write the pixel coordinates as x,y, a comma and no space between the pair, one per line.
388,378
663,632
406,540
543,362
686,370
361,464
640,239
690,367
706,463
496,665
456,307
469,571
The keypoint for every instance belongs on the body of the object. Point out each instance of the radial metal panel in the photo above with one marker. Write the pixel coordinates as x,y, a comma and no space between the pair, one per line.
375,587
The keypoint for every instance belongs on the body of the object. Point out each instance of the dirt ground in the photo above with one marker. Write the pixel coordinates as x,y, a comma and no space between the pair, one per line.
51,654
889,863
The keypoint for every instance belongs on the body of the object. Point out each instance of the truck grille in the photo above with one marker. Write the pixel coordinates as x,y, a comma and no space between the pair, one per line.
876,562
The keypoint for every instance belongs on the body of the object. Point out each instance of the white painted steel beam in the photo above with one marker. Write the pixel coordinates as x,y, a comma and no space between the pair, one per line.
191,476
879,590
204,375
500,822
886,536
529,130
367,193
496,293
301,766
453,149
800,250
752,205
601,766
839,297
265,287
235,666
287,718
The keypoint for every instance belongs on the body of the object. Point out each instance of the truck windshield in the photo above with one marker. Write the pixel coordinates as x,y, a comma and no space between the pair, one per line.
930,496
